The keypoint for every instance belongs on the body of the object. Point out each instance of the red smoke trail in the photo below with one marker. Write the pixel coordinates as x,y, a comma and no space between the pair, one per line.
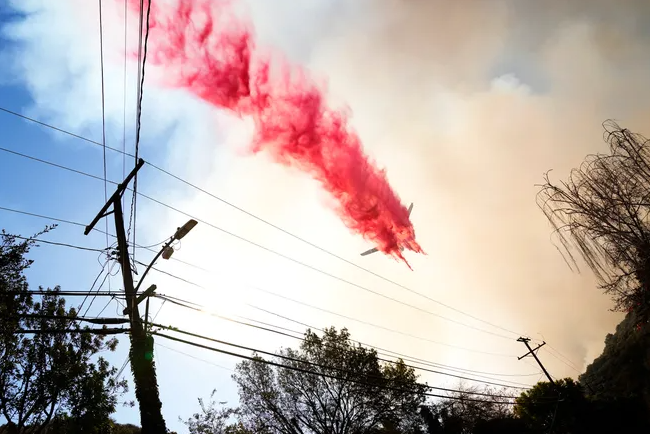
205,49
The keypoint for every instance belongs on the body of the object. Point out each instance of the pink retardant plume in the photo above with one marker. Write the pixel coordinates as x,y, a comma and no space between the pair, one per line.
202,46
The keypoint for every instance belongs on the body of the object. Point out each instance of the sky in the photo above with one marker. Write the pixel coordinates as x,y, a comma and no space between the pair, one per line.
466,104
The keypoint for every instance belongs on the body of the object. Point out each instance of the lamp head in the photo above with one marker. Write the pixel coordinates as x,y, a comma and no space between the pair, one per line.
185,229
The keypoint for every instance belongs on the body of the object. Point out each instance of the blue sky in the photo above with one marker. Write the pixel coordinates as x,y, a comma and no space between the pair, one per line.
489,105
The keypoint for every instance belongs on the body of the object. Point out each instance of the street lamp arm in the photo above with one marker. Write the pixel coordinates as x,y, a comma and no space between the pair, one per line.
180,233
153,262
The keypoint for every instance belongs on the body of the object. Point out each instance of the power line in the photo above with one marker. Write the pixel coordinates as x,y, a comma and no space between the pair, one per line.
101,57
315,328
304,264
59,166
102,331
306,371
166,298
194,357
333,313
289,233
314,364
100,321
126,15
106,276
307,305
42,216
85,139
320,271
286,232
405,357
398,354
72,246
255,307
63,293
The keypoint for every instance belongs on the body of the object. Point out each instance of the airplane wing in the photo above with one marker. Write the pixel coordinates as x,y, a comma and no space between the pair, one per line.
368,252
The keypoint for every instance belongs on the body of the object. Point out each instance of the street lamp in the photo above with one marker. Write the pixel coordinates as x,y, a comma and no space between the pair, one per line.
167,250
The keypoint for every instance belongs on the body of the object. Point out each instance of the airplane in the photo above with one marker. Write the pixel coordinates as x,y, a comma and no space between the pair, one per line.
374,250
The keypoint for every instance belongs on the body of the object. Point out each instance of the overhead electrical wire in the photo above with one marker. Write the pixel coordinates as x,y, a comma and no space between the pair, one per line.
103,144
193,357
124,85
286,232
297,261
306,371
185,303
72,246
63,293
314,364
93,285
142,49
462,394
382,351
201,287
368,346
92,300
101,58
189,282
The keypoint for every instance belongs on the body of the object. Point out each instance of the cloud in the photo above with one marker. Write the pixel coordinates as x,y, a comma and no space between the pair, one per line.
421,78
466,103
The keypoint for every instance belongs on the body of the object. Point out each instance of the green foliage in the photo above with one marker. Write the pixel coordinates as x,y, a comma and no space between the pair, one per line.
574,412
349,392
561,405
212,420
49,378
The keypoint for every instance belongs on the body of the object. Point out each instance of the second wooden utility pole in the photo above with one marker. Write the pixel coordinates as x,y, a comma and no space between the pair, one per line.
532,352
144,371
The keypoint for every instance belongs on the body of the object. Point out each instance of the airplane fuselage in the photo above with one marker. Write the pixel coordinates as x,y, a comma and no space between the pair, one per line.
401,248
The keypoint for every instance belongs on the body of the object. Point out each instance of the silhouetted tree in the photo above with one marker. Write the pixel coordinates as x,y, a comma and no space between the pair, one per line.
562,406
464,411
623,368
336,388
213,420
46,377
566,409
602,212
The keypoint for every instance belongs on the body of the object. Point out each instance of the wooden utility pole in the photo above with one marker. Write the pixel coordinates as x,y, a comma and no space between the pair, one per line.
532,352
144,371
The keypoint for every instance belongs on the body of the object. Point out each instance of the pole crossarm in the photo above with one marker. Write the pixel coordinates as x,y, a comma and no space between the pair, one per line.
118,194
532,352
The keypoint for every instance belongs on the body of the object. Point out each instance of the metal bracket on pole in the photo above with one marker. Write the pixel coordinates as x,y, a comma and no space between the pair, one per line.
146,293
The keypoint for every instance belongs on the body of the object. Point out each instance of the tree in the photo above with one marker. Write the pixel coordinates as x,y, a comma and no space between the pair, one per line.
567,409
622,371
211,420
465,412
328,386
561,407
602,212
48,377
